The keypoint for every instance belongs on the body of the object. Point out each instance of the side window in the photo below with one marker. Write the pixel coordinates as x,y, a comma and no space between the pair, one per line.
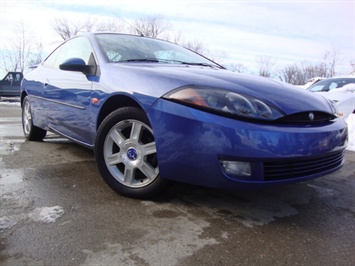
78,47
50,61
9,77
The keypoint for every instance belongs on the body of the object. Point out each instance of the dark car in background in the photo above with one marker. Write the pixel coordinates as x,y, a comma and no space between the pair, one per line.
10,85
155,112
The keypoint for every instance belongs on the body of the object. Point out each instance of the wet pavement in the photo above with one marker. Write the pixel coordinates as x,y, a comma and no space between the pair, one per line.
56,210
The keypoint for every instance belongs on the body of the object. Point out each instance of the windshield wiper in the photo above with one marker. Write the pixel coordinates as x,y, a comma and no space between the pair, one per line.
198,64
157,60
140,60
195,63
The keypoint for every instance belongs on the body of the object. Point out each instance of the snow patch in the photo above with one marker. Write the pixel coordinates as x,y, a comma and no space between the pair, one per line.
14,101
6,222
47,214
10,177
8,147
324,192
165,241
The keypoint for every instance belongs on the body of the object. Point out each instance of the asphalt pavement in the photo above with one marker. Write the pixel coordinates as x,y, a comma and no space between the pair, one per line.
55,209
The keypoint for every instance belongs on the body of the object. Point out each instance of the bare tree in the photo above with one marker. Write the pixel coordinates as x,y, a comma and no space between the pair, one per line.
299,74
175,37
194,45
22,50
330,60
151,26
266,66
110,25
67,29
37,56
314,70
292,74
237,67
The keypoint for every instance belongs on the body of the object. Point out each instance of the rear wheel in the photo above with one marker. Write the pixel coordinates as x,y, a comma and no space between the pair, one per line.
126,154
31,132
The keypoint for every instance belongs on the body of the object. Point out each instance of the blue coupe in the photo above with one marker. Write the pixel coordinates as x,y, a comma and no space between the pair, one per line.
155,112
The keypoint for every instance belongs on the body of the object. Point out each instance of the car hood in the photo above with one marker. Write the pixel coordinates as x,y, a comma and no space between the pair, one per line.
158,79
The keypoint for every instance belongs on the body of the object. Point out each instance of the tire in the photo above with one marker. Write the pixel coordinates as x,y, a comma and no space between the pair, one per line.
126,156
31,131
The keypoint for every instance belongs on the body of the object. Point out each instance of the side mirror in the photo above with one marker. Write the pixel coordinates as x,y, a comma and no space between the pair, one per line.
78,65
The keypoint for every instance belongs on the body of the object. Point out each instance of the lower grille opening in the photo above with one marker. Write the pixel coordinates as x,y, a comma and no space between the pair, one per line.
296,168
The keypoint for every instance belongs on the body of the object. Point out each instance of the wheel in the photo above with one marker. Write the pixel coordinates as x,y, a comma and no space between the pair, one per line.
126,155
31,132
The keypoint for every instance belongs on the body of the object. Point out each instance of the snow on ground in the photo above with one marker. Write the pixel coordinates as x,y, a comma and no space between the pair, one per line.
9,101
47,214
350,120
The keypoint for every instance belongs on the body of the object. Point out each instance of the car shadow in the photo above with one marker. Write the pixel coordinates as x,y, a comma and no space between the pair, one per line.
248,207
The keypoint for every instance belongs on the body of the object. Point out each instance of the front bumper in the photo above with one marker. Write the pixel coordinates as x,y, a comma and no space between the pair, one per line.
191,145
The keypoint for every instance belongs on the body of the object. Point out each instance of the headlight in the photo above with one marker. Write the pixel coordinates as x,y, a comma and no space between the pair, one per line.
224,102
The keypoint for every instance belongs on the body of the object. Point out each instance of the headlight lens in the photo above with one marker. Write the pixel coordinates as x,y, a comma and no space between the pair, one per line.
225,102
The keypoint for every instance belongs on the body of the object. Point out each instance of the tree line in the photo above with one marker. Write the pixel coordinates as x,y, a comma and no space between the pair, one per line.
24,49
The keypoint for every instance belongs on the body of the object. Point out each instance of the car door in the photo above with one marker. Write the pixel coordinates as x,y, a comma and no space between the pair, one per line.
67,94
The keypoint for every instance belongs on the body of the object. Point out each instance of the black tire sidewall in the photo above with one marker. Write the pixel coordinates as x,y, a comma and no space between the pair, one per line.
35,133
22,118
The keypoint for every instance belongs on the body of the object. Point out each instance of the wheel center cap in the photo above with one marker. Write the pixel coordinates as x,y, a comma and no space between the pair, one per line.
132,154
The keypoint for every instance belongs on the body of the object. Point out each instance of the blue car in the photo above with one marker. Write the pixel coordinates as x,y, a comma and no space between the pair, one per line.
155,112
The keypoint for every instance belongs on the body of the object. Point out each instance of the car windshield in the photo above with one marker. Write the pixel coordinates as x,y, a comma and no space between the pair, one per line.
331,84
130,48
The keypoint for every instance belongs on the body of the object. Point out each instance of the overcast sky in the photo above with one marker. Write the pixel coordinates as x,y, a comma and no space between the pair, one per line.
288,31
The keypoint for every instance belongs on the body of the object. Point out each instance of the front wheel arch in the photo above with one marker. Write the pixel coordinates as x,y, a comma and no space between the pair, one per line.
112,104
